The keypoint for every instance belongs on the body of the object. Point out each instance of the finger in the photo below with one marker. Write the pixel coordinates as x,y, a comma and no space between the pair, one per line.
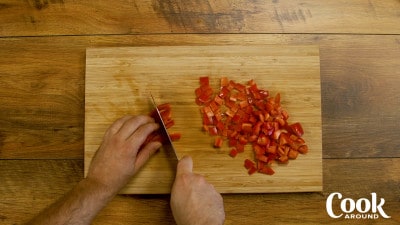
116,126
145,153
140,135
185,165
132,124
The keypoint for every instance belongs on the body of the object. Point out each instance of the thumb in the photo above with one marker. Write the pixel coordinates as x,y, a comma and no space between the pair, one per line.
185,165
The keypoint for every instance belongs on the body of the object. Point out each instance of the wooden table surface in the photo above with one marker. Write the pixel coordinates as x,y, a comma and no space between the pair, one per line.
42,69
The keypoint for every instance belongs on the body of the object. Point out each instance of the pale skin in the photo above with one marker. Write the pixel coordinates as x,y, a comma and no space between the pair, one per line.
120,156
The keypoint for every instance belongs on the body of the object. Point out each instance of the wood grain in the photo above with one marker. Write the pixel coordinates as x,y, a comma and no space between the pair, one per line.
22,198
42,70
119,80
28,186
63,17
42,90
368,58
360,101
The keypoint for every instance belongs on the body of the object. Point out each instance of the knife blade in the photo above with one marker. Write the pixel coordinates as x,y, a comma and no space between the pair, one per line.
168,143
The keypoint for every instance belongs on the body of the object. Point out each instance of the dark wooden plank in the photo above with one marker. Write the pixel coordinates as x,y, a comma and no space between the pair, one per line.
360,98
42,90
42,94
62,17
28,186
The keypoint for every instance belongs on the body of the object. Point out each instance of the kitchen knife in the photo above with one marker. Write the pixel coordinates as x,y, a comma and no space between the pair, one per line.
168,143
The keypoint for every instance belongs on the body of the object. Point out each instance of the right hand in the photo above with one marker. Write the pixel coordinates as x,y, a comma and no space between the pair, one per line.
194,201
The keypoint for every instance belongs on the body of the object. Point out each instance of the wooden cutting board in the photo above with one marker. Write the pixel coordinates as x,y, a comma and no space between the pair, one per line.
119,80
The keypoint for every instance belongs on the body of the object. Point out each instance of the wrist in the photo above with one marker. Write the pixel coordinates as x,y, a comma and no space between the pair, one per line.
95,186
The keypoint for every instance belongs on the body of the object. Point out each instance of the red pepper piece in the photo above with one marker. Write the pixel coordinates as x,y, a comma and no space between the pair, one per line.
248,164
240,147
263,140
284,139
278,99
272,149
207,120
164,106
258,150
204,81
198,92
169,123
224,92
303,149
283,159
247,127
166,116
253,138
175,136
240,87
293,154
263,94
218,142
243,140
267,170
220,126
208,111
251,82
262,158
233,153
214,106
213,130
252,170
297,129
204,98
224,82
232,142
218,100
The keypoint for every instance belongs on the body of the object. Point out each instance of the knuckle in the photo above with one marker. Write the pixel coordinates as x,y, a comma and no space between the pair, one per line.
186,178
147,128
200,180
142,118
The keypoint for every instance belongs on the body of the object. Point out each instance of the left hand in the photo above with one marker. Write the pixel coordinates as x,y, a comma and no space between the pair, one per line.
121,153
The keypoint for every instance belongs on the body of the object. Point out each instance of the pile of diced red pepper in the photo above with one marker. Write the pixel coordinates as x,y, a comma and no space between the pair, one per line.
243,114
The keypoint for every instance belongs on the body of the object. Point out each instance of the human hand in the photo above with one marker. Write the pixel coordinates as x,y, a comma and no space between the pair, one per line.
194,201
121,153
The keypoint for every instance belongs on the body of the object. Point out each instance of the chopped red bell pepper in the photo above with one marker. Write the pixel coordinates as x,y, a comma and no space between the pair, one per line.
233,153
240,147
204,81
297,129
303,149
267,170
224,81
218,142
244,113
166,116
252,170
175,136
213,130
248,164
